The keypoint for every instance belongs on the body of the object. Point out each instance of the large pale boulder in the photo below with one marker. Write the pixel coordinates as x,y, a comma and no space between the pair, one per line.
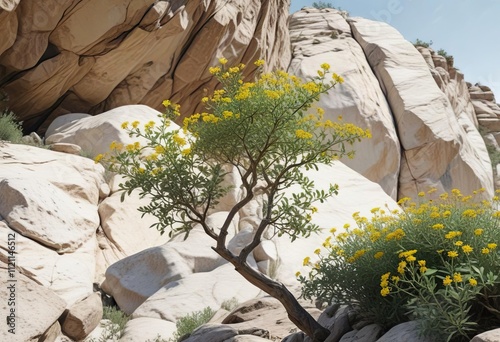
436,151
92,56
324,36
47,214
68,275
195,292
33,308
148,329
135,278
94,134
124,230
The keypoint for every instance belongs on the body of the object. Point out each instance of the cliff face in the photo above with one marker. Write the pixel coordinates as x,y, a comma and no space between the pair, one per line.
93,56
419,110
58,57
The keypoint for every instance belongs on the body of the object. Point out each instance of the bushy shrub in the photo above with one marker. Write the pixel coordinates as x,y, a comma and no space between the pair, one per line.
435,261
10,128
187,324
422,43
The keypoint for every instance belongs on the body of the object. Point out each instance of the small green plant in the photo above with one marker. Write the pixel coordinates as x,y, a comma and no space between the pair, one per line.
230,304
321,5
187,324
10,128
449,58
114,330
422,43
436,262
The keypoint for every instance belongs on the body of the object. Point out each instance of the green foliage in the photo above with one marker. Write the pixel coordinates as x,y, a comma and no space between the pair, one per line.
10,128
449,58
187,324
261,128
114,329
230,304
419,42
435,261
321,5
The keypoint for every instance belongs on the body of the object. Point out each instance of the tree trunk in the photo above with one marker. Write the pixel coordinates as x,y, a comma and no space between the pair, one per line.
296,313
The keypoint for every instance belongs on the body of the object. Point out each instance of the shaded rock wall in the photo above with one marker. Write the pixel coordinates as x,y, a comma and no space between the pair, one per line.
90,56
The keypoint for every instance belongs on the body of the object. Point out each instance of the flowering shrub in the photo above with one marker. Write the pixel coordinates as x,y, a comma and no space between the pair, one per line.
262,128
436,262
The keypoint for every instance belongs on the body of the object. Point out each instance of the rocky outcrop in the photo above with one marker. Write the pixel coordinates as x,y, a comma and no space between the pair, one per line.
437,150
424,136
72,56
324,36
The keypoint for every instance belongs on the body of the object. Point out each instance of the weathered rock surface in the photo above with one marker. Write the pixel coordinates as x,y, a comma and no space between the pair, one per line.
146,328
404,332
266,313
324,36
89,57
94,134
196,291
488,336
436,149
36,308
83,317
134,279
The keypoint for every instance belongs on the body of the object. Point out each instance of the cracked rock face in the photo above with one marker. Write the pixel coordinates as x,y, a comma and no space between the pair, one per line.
60,57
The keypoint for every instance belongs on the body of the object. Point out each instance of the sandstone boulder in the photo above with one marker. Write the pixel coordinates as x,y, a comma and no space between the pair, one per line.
35,307
124,230
68,275
196,291
431,138
488,336
90,57
134,279
95,134
147,329
324,36
82,317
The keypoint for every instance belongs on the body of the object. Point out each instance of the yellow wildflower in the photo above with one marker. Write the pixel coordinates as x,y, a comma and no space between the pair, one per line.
438,226
378,255
467,249
259,62
317,251
179,140
470,213
301,134
222,60
325,66
457,278
472,282
478,231
297,274
125,125
421,194
135,124
485,251
447,280
459,243
214,70
186,151
452,254
166,103
385,291
98,158
492,245
307,261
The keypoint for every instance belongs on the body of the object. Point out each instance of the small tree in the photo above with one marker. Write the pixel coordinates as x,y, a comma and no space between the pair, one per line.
260,128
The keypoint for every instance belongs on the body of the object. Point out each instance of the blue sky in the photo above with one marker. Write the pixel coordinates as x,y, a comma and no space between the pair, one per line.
467,29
